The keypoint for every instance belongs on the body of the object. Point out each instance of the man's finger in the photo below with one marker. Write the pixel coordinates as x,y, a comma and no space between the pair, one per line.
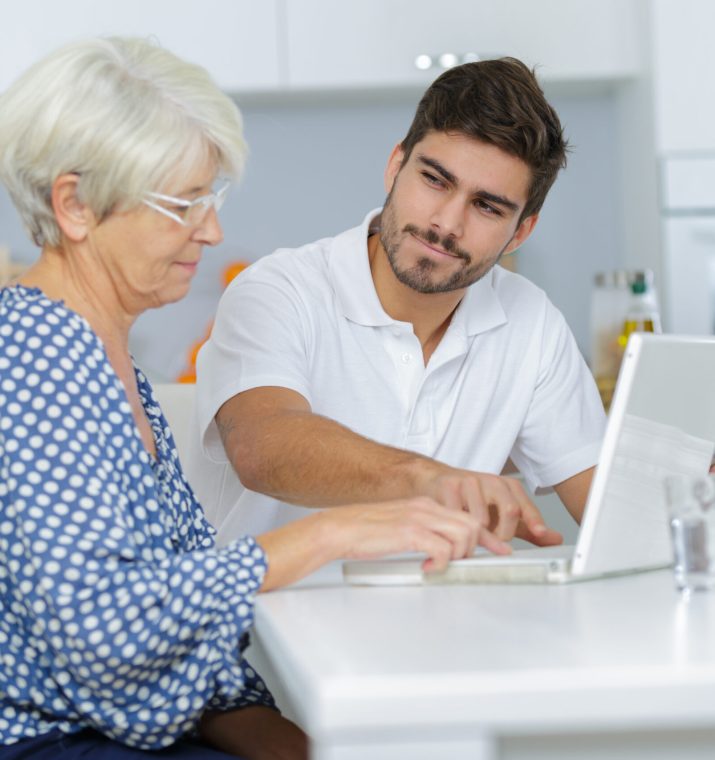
547,537
489,541
473,500
530,515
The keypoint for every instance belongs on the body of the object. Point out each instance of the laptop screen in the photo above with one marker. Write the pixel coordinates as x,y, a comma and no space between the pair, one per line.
662,422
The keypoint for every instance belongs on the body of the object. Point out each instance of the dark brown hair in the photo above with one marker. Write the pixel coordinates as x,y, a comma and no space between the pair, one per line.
499,102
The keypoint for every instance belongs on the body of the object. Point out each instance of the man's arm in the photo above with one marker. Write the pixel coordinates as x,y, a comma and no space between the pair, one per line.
279,447
573,493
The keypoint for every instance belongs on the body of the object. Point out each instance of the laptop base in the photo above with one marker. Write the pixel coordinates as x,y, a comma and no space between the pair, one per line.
546,565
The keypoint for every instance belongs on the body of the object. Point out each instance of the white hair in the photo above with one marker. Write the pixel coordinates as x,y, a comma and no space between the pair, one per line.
124,114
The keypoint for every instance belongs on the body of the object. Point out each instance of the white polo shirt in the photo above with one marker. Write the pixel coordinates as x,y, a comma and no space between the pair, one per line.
507,378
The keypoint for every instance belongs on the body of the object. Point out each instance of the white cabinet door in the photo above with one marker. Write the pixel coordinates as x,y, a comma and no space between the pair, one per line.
684,71
689,274
376,42
236,40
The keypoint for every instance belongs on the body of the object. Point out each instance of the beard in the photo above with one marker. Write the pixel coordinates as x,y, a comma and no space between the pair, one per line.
422,276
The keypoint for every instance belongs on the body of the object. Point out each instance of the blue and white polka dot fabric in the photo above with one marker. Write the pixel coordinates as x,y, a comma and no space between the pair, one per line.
116,611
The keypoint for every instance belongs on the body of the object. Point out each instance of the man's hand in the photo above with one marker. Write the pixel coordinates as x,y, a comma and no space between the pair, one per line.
254,733
497,502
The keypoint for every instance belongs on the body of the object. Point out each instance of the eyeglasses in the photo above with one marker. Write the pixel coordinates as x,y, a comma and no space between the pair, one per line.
187,213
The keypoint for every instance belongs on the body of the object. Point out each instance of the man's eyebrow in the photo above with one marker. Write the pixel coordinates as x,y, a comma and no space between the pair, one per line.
445,173
498,200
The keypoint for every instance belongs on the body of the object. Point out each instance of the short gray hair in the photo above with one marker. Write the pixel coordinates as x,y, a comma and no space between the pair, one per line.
124,114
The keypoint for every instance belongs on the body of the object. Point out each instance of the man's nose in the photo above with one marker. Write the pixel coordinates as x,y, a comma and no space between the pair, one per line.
448,217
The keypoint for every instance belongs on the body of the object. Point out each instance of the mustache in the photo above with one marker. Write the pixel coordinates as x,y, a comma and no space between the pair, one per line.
446,244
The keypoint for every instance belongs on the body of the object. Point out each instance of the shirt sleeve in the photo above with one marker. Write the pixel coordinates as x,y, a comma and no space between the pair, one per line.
565,421
261,337
130,633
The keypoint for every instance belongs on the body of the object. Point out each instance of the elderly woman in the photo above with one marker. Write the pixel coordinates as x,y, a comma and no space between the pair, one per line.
121,625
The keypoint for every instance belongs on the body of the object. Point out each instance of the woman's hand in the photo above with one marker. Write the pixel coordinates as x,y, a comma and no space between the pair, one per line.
254,733
365,531
418,524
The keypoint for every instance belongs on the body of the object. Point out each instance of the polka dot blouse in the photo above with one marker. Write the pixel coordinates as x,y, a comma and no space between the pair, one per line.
116,611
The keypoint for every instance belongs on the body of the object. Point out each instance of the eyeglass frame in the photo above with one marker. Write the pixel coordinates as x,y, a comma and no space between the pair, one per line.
215,200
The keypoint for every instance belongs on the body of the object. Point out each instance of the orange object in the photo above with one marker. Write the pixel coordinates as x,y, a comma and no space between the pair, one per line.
232,270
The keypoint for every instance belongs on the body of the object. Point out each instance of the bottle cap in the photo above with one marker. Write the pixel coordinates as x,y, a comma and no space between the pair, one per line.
641,282
645,276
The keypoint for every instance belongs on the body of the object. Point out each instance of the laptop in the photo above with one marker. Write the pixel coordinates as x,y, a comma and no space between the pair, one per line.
661,422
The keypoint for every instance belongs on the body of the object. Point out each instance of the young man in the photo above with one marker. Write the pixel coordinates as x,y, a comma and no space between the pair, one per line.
395,359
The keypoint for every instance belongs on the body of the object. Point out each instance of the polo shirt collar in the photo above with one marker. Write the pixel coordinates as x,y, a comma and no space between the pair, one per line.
480,309
349,266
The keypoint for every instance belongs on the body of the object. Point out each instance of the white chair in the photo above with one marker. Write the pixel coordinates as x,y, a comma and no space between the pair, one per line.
177,402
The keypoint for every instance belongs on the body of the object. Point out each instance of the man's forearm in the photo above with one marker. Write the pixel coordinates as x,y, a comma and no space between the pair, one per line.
279,447
303,458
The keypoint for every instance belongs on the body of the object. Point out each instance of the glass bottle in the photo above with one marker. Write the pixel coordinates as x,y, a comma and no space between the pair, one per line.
642,314
610,298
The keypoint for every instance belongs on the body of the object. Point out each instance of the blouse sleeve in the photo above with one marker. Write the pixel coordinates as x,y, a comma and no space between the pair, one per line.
131,634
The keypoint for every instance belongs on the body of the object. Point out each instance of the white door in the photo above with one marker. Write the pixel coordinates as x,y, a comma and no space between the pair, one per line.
689,274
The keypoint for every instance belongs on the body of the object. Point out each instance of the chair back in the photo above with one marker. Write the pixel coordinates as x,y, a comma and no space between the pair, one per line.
177,402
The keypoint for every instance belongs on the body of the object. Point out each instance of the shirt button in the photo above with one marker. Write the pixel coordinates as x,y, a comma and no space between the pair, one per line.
406,358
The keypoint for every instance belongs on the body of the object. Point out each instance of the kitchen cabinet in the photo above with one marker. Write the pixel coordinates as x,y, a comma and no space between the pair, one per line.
376,43
236,40
278,45
684,75
683,115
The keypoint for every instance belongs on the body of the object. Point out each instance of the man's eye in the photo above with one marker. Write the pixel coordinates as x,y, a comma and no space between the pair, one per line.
432,179
484,206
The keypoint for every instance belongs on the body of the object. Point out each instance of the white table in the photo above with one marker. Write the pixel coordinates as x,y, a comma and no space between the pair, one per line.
618,668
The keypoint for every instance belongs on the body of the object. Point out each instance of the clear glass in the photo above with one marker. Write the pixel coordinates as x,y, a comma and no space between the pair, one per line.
691,511
185,212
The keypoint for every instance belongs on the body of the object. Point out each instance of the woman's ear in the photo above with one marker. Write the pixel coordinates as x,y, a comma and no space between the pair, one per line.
74,218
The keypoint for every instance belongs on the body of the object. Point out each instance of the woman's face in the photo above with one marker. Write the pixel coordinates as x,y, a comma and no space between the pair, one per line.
151,258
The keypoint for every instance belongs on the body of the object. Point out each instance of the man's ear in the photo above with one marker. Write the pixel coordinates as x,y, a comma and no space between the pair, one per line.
525,228
394,164
74,218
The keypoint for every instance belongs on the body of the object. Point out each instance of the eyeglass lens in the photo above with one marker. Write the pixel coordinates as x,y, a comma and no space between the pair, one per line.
196,213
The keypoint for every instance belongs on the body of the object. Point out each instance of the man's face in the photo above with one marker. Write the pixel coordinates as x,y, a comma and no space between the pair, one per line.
452,211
